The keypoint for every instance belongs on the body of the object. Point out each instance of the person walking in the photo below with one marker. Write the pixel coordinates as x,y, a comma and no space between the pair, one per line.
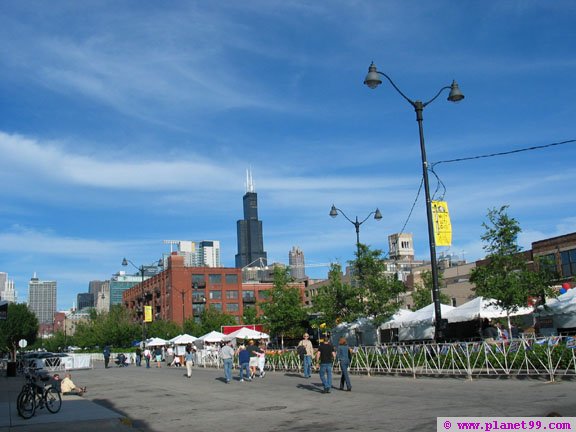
158,355
106,354
147,355
343,354
262,359
227,355
189,359
325,356
244,363
253,349
138,356
308,353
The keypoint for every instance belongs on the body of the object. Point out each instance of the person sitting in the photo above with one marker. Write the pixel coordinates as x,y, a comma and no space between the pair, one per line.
176,362
121,360
68,387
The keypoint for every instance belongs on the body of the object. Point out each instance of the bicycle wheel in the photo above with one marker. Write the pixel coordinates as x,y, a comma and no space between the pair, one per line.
26,404
53,400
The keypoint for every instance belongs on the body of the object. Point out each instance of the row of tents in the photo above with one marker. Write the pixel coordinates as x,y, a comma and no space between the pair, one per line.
212,337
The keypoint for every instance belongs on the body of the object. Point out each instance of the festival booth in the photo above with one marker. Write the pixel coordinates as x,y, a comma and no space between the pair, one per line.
245,333
465,321
156,342
419,325
388,330
358,332
180,342
558,315
212,337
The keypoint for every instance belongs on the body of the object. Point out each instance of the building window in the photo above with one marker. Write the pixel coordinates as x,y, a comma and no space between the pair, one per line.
198,280
248,295
216,306
548,263
454,301
215,295
232,307
198,310
215,278
232,294
568,259
232,279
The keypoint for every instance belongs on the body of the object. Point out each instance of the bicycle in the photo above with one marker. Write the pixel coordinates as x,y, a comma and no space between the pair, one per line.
35,394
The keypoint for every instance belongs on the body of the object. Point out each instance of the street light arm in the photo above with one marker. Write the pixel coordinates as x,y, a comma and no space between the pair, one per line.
410,101
126,261
347,218
366,218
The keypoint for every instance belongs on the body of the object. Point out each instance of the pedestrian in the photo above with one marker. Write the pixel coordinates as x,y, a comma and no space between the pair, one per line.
158,355
106,353
253,350
307,352
244,363
344,354
189,359
138,357
147,356
325,356
261,359
227,356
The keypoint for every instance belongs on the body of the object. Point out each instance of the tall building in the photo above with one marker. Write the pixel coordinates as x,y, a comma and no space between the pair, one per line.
7,291
209,254
42,299
296,263
205,253
249,229
84,300
120,282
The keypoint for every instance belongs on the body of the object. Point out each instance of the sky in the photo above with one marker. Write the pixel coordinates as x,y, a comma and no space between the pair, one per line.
126,123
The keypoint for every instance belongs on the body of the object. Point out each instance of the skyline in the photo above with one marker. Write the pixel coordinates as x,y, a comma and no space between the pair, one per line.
123,125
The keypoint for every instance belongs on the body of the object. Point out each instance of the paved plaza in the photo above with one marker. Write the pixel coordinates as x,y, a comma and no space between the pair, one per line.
132,398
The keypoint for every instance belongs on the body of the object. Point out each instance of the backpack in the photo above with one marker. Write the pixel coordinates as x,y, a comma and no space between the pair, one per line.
301,350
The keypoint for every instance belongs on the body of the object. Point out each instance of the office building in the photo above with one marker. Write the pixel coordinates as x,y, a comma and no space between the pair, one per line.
205,253
42,299
296,263
7,291
84,300
249,230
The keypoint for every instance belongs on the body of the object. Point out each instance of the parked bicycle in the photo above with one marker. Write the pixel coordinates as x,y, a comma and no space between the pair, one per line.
39,391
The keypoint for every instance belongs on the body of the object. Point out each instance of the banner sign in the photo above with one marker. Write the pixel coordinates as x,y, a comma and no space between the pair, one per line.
442,225
147,313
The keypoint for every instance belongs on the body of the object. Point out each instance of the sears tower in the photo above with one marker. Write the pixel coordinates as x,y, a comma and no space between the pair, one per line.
250,239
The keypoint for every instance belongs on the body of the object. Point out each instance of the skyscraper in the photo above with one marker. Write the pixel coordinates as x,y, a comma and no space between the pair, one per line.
250,238
296,262
42,299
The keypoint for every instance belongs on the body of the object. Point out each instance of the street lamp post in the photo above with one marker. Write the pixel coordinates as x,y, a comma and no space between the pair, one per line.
377,216
142,269
373,80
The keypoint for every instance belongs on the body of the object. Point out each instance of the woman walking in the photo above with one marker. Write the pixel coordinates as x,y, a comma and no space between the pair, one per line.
343,353
189,358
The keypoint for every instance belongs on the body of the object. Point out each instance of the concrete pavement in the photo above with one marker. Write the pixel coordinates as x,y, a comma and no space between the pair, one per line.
128,399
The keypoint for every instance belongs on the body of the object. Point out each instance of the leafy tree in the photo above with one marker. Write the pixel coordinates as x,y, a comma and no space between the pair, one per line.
379,291
250,315
58,342
213,319
21,323
337,301
116,328
163,329
192,327
505,277
422,294
284,313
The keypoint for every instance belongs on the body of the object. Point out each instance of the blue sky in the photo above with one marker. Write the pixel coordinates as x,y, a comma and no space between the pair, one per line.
123,124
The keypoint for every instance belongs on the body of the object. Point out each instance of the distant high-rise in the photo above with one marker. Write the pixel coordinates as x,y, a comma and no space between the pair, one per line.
42,299
7,291
249,229
205,253
85,300
296,263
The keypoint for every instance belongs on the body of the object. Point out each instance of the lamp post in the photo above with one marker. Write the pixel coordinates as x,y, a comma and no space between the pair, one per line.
377,216
142,269
373,80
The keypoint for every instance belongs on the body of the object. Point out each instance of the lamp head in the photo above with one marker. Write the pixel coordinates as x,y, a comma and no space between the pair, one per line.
372,80
124,262
455,93
377,214
333,211
160,263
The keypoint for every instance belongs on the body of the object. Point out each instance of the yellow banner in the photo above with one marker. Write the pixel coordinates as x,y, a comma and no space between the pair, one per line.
147,313
442,225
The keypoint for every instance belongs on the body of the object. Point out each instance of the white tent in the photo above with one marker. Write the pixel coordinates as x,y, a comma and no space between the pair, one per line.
562,309
156,342
392,321
419,325
246,333
213,336
183,339
480,308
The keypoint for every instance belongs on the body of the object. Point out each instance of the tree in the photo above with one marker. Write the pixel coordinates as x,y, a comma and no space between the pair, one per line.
21,323
422,294
116,328
250,315
284,313
505,277
163,329
379,291
337,301
213,319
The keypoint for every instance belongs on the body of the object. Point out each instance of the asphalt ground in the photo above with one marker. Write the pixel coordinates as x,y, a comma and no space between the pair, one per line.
163,399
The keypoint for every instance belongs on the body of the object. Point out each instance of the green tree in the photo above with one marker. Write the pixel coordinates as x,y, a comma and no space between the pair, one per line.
21,323
284,313
163,329
192,327
116,328
379,291
422,294
337,301
505,277
213,319
250,315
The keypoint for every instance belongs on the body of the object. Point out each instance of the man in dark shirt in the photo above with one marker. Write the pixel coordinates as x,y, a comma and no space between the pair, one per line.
326,357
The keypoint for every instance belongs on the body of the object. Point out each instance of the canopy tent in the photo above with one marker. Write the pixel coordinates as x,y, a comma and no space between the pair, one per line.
184,339
212,337
426,315
156,342
173,339
562,309
361,331
480,308
391,322
246,333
